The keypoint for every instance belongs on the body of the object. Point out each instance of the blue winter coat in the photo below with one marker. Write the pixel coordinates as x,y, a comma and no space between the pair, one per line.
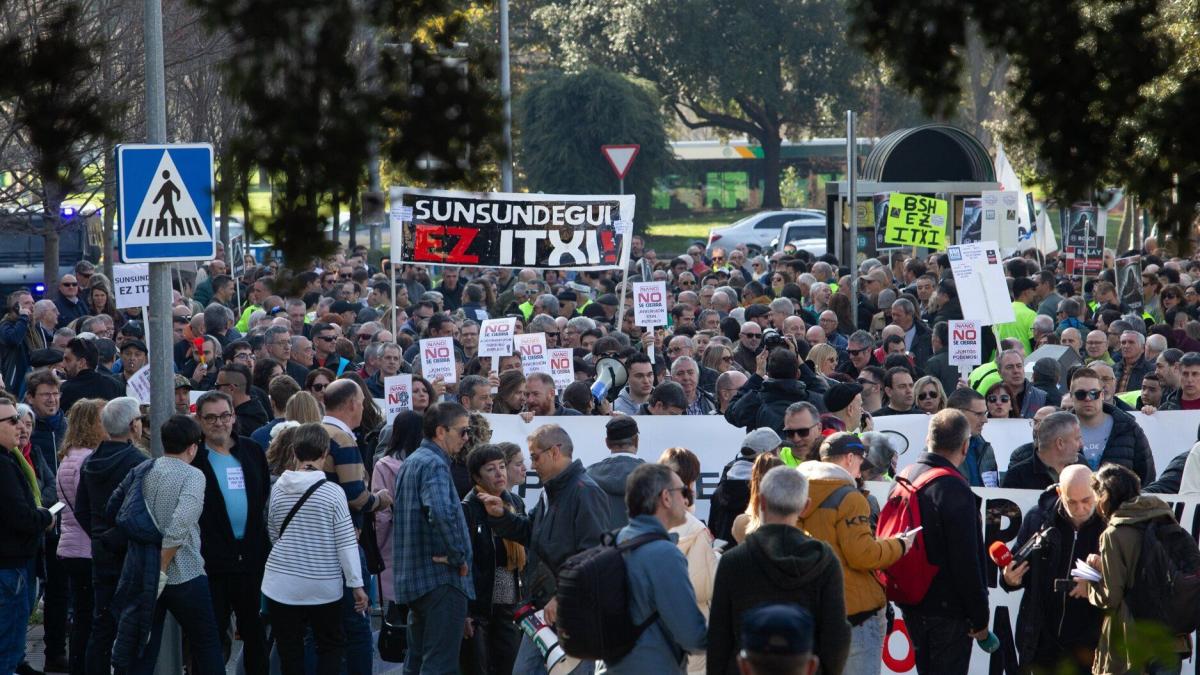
137,590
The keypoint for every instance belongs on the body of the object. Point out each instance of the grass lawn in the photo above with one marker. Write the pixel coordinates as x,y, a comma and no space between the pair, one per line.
672,236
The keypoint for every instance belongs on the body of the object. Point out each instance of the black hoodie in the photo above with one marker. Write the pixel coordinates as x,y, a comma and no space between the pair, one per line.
778,563
102,472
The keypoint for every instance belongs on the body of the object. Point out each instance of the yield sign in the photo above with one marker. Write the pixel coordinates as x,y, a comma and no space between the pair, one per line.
620,157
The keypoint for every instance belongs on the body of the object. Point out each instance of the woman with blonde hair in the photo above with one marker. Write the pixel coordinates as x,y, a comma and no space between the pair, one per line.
695,541
747,522
301,408
84,433
717,357
930,396
824,358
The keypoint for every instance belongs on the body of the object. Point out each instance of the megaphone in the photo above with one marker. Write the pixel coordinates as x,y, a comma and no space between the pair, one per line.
532,623
610,377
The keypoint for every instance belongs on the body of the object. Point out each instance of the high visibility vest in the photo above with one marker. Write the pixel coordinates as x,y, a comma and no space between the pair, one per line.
526,309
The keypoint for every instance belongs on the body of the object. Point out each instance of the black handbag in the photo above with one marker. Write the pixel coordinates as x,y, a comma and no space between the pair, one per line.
393,632
370,545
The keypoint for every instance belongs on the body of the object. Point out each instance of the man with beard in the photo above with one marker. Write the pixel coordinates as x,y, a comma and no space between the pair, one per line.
1056,626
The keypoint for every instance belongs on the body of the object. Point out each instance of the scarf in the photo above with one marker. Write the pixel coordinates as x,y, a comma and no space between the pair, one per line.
512,550
27,469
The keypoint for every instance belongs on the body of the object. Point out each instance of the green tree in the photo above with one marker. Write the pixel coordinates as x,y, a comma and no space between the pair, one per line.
51,113
767,69
567,117
315,99
1100,90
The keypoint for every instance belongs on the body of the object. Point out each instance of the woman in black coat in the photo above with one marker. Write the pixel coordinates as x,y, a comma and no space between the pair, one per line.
492,638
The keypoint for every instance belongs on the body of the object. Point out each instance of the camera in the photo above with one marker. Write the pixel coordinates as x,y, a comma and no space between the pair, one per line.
772,340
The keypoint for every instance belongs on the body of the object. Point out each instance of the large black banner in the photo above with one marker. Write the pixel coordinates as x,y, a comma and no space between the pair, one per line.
497,229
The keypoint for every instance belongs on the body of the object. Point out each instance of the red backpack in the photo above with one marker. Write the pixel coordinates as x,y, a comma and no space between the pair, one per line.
908,579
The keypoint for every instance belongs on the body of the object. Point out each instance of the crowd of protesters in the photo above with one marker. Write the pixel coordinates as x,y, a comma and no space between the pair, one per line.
286,507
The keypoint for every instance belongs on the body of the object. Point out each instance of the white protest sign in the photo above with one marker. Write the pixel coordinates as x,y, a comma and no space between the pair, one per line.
1001,217
966,344
979,278
397,391
532,348
496,338
138,386
437,359
562,367
132,284
650,303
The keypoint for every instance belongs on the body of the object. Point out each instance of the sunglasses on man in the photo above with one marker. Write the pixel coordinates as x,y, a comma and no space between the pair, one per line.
1087,394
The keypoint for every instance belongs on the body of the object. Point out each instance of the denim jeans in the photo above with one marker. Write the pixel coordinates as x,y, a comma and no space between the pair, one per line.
191,605
941,644
360,648
15,607
435,632
79,584
866,646
530,660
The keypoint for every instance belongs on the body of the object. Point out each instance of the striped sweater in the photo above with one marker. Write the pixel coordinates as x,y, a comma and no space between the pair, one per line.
318,553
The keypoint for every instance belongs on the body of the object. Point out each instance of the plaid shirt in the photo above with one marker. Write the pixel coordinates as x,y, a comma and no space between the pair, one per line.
428,521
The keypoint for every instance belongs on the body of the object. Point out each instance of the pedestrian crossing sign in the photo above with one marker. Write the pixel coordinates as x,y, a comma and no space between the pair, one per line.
165,201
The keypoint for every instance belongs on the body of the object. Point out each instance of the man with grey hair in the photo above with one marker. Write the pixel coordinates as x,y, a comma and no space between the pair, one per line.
300,358
801,433
764,569
709,319
576,327
724,299
1155,344
277,343
828,322
1042,326
728,384
390,361
546,304
1059,445
99,477
860,352
685,371
570,520
781,309
918,339
1026,398
45,322
1133,365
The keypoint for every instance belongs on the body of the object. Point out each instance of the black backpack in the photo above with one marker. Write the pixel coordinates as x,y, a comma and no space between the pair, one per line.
728,501
593,601
1166,584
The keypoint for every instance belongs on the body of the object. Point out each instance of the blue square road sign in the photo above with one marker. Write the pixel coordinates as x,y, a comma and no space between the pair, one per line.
165,201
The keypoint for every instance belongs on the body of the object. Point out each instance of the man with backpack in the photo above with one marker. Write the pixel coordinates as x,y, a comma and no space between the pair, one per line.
840,516
778,562
940,587
569,518
732,494
660,602
1055,622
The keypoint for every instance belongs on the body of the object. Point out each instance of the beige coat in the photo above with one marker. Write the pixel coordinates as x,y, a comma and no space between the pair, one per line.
696,543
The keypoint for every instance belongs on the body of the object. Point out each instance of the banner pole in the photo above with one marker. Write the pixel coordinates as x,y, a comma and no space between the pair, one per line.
395,308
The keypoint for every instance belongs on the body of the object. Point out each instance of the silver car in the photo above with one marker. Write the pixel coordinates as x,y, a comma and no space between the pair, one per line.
806,234
757,231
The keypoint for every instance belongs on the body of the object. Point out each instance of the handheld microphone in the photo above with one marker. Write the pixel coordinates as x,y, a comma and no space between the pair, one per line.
1000,554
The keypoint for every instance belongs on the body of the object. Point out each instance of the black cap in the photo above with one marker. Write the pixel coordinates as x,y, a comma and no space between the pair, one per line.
136,344
845,443
341,306
757,310
567,296
42,358
840,395
781,630
608,299
620,428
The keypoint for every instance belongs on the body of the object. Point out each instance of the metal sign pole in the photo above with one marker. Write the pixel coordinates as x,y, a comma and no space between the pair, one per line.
162,369
852,197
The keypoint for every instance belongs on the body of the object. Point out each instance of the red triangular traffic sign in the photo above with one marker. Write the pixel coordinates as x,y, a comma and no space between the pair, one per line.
620,157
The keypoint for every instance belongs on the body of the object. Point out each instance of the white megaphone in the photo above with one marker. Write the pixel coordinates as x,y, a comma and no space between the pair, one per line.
610,377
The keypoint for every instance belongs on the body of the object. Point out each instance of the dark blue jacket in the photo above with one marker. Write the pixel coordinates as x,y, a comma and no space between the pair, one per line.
137,590
47,438
69,311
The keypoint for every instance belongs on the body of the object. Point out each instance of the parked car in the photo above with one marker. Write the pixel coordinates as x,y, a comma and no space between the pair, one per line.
806,234
756,231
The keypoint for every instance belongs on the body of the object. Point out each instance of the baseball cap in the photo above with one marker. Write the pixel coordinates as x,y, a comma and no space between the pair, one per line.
181,382
136,344
608,299
844,443
340,306
761,440
778,629
620,428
